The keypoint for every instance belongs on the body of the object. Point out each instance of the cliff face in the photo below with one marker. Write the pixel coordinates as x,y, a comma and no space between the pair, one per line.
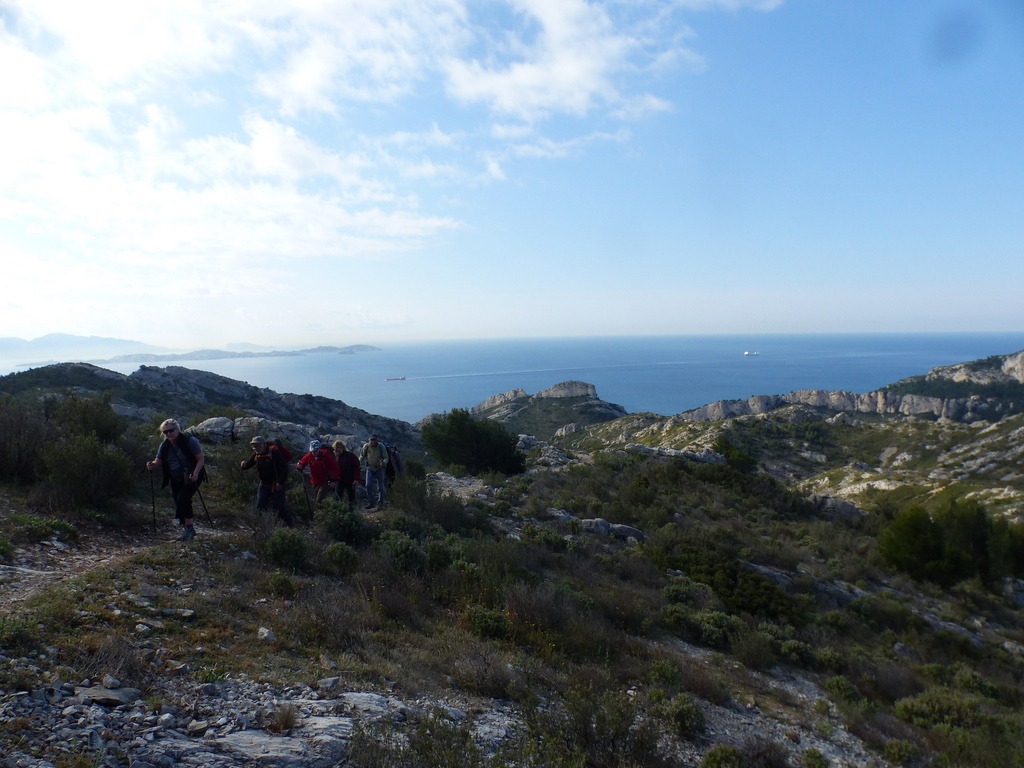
999,370
1010,369
565,407
956,409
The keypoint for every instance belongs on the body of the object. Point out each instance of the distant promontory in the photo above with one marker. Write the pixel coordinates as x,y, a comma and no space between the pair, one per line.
221,354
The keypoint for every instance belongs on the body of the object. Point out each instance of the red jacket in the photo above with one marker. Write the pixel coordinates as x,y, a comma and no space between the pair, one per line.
322,466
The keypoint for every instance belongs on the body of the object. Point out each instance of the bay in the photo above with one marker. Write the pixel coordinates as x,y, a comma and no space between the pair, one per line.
659,374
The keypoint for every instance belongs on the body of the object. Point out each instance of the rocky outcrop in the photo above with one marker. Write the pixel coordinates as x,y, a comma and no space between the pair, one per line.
559,410
310,415
955,409
499,400
1010,369
569,389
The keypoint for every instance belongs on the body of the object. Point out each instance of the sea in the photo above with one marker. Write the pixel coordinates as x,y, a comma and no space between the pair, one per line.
658,374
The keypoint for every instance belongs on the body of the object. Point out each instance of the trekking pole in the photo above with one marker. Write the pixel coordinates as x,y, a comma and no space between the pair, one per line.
152,494
203,502
305,490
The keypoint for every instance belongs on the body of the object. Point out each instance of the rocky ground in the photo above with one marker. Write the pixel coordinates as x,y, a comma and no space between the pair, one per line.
241,721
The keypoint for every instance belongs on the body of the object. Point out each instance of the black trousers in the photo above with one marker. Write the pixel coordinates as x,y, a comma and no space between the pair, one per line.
182,491
349,491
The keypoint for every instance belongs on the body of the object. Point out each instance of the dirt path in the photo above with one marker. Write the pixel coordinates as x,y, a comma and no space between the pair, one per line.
33,567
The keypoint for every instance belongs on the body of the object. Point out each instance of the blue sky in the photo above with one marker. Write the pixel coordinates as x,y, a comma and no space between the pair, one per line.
191,173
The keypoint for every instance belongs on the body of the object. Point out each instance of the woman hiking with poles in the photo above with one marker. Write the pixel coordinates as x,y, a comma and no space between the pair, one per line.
180,456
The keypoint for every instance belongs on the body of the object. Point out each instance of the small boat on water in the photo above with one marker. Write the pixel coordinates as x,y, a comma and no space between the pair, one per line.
396,378
751,354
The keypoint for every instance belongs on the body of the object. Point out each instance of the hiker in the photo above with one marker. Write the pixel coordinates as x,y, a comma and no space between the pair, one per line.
272,470
182,460
323,469
348,474
396,464
375,459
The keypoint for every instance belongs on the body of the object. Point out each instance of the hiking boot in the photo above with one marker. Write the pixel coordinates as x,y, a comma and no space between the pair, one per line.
188,533
369,506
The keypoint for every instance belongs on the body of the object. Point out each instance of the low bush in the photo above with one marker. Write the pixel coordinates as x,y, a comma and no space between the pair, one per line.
755,650
841,689
722,756
759,752
287,548
684,716
81,472
942,706
343,525
339,558
901,751
488,624
402,551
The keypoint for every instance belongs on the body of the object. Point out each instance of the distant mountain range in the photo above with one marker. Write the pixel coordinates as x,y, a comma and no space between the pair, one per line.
68,347
65,347
220,354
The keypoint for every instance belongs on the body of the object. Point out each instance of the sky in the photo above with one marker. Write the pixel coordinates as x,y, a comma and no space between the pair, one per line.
193,174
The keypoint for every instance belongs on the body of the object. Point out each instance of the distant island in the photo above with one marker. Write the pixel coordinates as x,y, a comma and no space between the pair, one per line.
221,354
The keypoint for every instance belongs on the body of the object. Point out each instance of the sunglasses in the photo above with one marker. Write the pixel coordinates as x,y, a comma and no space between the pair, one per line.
170,431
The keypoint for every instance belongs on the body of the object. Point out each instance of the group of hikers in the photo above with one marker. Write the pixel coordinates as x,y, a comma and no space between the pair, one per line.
334,471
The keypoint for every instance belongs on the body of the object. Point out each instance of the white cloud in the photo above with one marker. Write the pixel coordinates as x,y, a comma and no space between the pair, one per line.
567,68
234,136
546,148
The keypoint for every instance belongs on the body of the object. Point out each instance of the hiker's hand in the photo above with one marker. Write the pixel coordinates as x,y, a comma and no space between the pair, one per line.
149,465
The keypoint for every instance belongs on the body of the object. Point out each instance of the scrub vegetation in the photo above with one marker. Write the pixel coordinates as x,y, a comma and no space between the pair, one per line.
615,648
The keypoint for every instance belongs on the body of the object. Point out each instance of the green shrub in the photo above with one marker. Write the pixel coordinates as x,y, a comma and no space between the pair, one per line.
477,444
607,729
421,501
841,689
716,629
85,416
23,431
685,717
755,650
901,751
957,542
722,756
343,525
83,472
813,758
831,659
282,584
36,528
798,653
287,548
340,558
434,742
764,753
688,592
941,706
489,624
403,552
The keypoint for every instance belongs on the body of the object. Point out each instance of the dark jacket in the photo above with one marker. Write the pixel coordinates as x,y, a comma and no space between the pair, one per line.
348,468
271,466
182,441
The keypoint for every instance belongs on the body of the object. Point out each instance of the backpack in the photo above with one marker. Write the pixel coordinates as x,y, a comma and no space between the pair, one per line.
389,469
278,445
